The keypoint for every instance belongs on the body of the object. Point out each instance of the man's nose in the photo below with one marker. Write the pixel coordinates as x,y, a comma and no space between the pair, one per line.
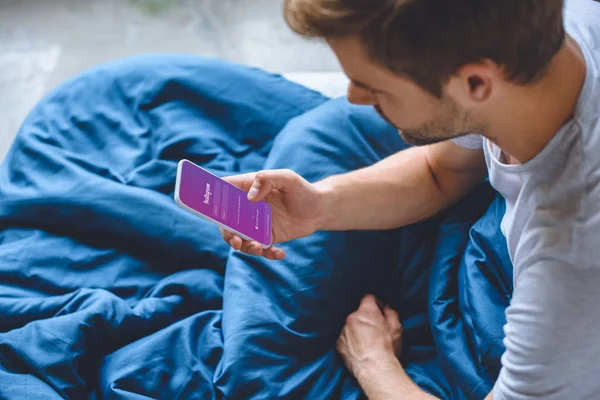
360,96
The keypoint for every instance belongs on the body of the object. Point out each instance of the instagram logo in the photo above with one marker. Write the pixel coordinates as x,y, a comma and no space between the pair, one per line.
207,194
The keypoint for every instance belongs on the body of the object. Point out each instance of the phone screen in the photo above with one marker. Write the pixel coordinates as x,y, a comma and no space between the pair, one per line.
223,202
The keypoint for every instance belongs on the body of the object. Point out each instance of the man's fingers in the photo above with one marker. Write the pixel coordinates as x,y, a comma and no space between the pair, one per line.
393,323
234,241
262,186
243,181
230,238
266,181
380,304
274,253
391,316
252,248
368,301
369,304
226,235
259,184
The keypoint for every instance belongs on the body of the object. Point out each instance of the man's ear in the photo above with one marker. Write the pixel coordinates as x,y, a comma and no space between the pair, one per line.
478,81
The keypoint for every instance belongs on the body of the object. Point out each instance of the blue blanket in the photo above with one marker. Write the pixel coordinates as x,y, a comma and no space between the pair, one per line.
109,290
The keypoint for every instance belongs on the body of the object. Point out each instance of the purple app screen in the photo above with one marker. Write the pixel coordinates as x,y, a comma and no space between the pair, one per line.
225,203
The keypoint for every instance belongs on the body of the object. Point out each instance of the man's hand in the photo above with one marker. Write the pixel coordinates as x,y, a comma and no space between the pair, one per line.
371,338
370,345
296,205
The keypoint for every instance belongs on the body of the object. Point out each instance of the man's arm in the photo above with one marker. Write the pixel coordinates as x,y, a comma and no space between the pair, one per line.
370,345
552,331
390,383
393,383
407,187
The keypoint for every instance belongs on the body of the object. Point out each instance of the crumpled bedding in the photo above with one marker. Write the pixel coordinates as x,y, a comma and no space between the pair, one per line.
109,290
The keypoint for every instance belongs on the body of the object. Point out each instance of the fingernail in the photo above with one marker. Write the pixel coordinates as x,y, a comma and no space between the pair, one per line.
253,192
252,251
231,243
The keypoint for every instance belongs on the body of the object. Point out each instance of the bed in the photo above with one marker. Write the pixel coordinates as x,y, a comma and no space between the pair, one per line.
108,290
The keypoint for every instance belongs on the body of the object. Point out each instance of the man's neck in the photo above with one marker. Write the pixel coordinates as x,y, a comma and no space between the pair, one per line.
526,125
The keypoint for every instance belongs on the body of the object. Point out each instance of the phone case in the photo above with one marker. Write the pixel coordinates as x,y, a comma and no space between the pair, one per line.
180,203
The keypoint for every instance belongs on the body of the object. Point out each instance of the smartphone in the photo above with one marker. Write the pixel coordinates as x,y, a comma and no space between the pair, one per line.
222,203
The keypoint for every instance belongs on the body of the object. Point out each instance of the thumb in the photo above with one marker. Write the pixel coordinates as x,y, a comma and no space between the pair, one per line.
243,181
266,181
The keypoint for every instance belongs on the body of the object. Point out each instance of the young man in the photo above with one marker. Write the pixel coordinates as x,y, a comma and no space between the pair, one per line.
529,86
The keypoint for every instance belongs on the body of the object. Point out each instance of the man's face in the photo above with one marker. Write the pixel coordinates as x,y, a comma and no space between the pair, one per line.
420,117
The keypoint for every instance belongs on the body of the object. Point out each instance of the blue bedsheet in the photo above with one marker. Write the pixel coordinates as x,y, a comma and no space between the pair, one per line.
109,290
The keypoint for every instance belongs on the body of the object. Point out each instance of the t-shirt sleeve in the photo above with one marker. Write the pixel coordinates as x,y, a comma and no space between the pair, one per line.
472,141
552,333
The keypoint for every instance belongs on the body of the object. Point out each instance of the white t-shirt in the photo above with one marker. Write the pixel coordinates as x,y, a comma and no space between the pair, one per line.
552,228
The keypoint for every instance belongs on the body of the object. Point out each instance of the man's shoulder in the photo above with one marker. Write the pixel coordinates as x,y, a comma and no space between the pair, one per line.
565,221
578,10
583,23
581,19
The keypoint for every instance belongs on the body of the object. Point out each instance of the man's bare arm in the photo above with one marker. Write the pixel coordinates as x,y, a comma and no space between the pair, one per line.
393,383
402,189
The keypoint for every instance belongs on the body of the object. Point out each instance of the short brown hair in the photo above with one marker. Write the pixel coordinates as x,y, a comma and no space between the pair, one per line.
429,40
